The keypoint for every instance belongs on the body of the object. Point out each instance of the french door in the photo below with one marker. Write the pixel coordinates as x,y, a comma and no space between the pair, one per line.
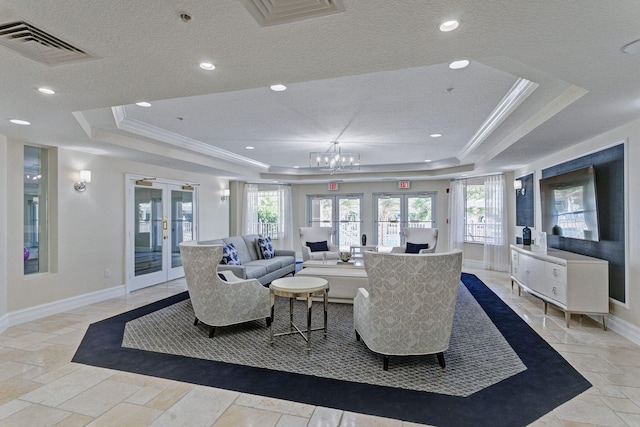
160,215
341,212
395,212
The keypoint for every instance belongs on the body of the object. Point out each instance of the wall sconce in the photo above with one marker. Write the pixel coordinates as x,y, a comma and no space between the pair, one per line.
517,184
225,195
85,176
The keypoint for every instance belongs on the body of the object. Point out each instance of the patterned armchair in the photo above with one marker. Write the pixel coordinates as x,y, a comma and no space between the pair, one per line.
318,234
217,302
419,236
410,304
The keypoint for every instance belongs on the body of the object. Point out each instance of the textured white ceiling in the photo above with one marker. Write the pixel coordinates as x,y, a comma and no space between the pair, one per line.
373,77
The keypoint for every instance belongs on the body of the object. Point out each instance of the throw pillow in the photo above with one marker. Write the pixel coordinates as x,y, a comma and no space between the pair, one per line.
414,248
266,247
318,246
230,255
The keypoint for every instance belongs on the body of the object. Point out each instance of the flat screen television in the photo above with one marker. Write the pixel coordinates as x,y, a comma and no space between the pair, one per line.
569,204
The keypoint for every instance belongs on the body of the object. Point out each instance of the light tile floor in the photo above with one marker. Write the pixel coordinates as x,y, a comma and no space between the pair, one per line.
39,386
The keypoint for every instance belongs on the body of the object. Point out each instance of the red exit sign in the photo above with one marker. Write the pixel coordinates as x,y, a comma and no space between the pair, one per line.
404,184
333,186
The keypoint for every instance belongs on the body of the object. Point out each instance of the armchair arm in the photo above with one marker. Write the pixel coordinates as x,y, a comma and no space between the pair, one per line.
333,248
284,252
398,250
428,251
238,270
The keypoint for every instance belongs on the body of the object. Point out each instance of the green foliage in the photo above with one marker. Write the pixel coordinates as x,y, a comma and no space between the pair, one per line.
267,209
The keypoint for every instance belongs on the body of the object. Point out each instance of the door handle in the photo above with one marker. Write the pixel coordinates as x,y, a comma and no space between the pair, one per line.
165,227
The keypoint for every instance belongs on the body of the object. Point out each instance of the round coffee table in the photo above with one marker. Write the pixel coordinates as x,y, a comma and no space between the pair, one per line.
299,287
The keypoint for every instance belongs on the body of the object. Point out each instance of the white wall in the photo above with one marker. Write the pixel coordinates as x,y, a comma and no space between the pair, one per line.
629,312
90,230
4,206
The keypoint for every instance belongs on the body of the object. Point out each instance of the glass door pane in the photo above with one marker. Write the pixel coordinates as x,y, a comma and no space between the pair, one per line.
419,211
181,223
389,220
149,233
321,212
349,221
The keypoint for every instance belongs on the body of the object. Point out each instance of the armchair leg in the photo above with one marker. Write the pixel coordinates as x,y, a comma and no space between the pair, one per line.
385,363
212,330
441,359
357,336
195,322
269,320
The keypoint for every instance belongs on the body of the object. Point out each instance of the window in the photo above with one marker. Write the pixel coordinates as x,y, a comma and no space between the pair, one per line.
268,213
36,234
474,218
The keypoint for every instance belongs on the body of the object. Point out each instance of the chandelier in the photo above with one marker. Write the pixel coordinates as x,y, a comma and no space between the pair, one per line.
334,159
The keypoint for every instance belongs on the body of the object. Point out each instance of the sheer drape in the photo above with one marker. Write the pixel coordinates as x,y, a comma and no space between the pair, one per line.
250,209
496,251
456,214
285,220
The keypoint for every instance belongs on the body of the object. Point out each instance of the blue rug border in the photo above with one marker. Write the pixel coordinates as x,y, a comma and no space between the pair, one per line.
548,381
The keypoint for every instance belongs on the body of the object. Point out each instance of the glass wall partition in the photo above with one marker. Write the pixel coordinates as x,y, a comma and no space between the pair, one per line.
36,219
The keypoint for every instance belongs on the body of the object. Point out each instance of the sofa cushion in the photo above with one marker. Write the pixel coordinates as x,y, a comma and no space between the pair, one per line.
230,255
318,246
415,248
241,247
270,265
266,247
284,260
254,271
250,241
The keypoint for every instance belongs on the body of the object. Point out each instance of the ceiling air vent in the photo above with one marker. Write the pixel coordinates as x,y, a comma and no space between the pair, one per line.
38,45
274,12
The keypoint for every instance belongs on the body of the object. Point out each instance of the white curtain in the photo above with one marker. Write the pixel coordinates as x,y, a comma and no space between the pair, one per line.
285,217
456,214
250,209
496,250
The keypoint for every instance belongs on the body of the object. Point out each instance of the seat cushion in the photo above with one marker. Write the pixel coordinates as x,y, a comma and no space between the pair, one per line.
230,255
415,248
270,265
255,271
318,246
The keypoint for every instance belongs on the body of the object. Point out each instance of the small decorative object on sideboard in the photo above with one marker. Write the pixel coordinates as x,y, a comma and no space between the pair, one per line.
345,256
363,240
526,236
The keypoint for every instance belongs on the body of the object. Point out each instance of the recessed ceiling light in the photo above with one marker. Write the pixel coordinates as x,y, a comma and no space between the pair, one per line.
447,26
296,167
278,87
427,161
46,91
143,104
457,65
435,135
207,66
249,147
20,122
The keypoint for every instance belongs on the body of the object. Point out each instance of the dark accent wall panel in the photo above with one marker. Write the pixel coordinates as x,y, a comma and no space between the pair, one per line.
609,170
524,203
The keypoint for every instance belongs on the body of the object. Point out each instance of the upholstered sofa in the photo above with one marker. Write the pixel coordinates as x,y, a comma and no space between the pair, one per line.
252,264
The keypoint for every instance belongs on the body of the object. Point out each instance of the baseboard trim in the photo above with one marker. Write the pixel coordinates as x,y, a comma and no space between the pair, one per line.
39,311
624,328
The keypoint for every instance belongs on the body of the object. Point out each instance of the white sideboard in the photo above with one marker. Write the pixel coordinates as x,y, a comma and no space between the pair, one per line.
574,283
